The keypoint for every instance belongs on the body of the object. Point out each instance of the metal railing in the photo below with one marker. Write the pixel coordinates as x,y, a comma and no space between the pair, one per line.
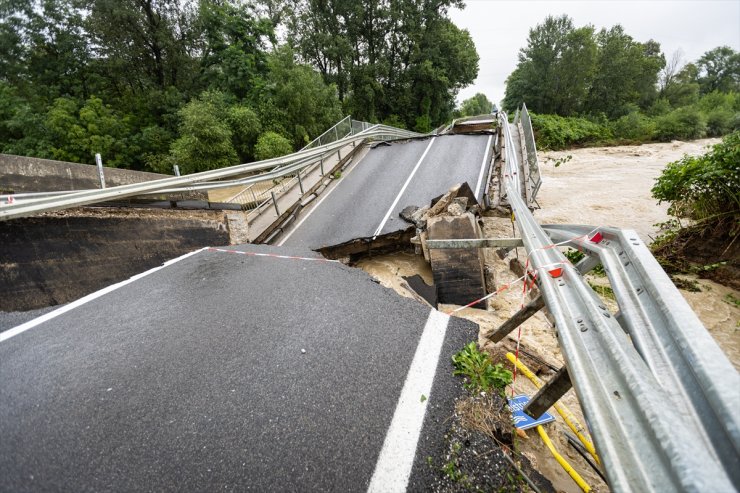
652,433
535,179
242,174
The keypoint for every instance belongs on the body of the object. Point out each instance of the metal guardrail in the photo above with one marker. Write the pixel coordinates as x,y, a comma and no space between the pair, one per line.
243,174
651,433
535,178
258,195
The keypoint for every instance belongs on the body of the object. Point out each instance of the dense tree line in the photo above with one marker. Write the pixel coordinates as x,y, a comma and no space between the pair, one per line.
568,70
601,87
152,83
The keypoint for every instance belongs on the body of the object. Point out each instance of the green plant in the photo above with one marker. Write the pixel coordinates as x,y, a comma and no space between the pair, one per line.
480,374
603,291
557,132
337,175
684,123
703,186
452,471
575,256
633,126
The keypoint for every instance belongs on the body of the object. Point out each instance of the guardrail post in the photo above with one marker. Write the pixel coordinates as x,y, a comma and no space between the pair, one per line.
321,165
99,162
549,394
300,182
176,169
518,318
274,202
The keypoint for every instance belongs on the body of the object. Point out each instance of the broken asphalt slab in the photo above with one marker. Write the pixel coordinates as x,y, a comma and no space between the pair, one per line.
239,368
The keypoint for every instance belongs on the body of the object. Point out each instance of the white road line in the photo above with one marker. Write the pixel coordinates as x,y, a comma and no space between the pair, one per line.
314,208
396,458
97,294
483,167
403,189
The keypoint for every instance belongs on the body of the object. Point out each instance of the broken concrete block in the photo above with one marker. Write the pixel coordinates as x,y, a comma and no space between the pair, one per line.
458,272
458,206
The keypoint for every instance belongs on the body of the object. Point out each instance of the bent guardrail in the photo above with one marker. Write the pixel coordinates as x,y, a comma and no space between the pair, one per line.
649,431
206,180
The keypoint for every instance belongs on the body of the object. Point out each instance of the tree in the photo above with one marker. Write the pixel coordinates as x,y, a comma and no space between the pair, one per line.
270,145
719,70
477,105
79,132
205,137
626,73
234,58
307,106
398,57
555,69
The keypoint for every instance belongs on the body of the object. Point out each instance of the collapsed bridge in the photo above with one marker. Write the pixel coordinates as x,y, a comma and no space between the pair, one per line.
638,372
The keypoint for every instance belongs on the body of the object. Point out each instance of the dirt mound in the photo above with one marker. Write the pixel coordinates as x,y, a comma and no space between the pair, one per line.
709,250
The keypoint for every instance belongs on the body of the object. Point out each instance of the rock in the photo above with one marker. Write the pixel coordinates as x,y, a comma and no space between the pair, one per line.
408,212
458,206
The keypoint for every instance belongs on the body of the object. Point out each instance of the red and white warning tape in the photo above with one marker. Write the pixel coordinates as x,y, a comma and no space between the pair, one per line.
555,270
272,255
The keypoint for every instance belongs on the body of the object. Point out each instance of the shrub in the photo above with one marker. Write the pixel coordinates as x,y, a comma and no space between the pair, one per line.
720,122
684,124
270,145
634,126
703,186
557,132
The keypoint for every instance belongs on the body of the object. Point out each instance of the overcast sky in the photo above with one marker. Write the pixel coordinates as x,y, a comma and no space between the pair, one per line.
500,28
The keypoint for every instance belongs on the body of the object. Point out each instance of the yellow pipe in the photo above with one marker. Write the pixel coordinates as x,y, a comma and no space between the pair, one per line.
572,472
564,412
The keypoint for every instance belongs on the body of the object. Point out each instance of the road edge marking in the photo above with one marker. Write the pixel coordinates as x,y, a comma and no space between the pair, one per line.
393,467
403,189
308,214
19,329
483,167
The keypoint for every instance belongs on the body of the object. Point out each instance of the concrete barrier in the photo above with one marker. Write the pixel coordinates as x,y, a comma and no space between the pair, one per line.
28,174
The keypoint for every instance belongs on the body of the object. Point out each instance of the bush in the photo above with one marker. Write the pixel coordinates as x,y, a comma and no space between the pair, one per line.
270,145
720,122
683,124
703,186
557,132
634,126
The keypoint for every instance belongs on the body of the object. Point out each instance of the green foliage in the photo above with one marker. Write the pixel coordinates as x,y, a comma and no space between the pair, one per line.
270,145
683,124
307,106
719,70
557,132
481,375
704,186
78,133
205,136
401,58
633,126
574,256
477,105
246,128
568,71
554,69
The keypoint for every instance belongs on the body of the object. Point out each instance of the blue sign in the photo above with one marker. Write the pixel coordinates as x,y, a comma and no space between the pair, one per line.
522,420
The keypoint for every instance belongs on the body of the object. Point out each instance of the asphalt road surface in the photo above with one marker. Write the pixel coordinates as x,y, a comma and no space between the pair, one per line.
230,369
368,199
